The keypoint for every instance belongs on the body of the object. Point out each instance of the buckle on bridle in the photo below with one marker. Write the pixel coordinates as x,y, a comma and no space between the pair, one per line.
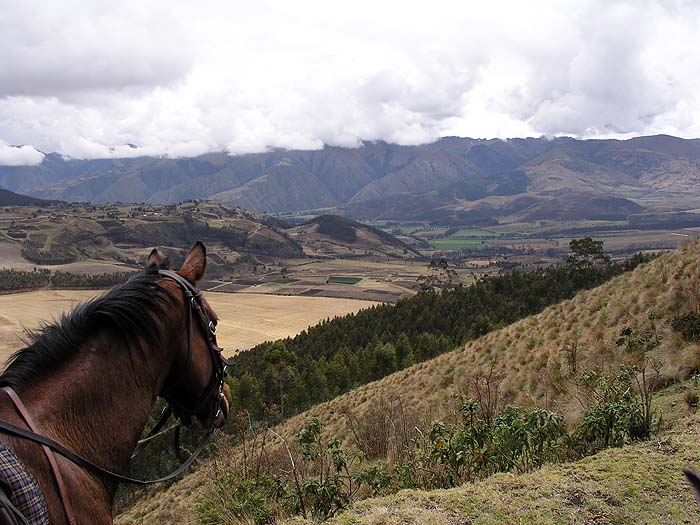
212,327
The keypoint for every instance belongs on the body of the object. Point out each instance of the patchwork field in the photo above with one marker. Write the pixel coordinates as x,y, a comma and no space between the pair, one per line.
541,236
246,319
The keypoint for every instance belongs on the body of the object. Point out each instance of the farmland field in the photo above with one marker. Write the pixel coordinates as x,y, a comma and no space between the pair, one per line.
334,279
475,232
245,319
456,244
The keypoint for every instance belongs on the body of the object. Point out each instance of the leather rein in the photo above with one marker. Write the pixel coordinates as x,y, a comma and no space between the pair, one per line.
193,304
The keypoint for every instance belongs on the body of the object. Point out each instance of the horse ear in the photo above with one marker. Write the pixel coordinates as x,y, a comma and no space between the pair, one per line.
195,263
156,259
694,480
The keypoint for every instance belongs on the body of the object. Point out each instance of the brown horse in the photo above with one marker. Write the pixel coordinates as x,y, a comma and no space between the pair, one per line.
90,380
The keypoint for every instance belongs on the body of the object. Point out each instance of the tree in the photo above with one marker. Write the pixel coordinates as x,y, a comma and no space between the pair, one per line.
440,275
587,253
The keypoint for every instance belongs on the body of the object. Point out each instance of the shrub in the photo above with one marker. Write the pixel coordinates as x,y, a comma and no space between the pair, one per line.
615,416
691,398
241,501
688,326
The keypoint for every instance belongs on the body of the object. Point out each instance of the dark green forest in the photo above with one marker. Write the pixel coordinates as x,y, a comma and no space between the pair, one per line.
12,280
276,380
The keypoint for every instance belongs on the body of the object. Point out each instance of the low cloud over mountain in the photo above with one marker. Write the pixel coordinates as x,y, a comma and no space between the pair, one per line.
185,80
457,180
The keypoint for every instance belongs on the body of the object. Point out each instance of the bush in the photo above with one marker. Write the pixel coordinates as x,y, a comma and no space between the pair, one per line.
246,501
688,326
691,398
616,415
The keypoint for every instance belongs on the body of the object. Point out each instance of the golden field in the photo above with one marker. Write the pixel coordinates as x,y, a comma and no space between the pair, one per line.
245,319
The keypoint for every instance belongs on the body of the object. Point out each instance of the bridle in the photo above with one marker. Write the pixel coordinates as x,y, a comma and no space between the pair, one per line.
213,393
193,298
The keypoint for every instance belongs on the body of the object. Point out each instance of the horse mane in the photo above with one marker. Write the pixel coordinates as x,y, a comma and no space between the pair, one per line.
128,311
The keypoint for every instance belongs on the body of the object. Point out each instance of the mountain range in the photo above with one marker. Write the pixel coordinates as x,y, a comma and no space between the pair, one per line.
452,180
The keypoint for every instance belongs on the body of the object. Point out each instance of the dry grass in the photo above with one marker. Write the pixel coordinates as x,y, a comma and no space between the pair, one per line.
246,319
28,310
527,355
249,319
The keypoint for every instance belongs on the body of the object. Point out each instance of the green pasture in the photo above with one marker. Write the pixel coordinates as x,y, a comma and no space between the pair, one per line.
474,232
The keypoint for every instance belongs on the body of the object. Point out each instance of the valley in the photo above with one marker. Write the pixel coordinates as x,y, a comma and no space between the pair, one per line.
297,254
273,278
370,263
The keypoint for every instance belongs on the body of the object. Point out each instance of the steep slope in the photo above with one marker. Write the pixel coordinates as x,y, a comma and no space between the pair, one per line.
525,360
528,354
451,162
658,163
286,185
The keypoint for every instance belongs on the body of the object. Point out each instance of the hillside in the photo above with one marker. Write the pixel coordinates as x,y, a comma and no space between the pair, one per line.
470,181
338,236
247,251
10,198
639,484
525,362
528,354
123,234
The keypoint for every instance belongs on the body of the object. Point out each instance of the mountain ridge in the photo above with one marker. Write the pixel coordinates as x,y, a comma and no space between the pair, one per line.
437,181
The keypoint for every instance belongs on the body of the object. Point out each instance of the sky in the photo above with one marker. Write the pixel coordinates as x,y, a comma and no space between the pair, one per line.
94,79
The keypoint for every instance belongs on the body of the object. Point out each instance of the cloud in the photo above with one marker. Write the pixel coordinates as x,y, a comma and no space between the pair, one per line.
180,79
68,47
19,155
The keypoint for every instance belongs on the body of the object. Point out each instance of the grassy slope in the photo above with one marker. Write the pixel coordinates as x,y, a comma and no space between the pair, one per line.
638,484
528,354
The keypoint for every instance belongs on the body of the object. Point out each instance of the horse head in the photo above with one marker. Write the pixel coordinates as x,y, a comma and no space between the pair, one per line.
194,386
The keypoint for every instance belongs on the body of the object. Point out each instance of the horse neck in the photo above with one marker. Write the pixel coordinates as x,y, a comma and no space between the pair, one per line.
98,404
